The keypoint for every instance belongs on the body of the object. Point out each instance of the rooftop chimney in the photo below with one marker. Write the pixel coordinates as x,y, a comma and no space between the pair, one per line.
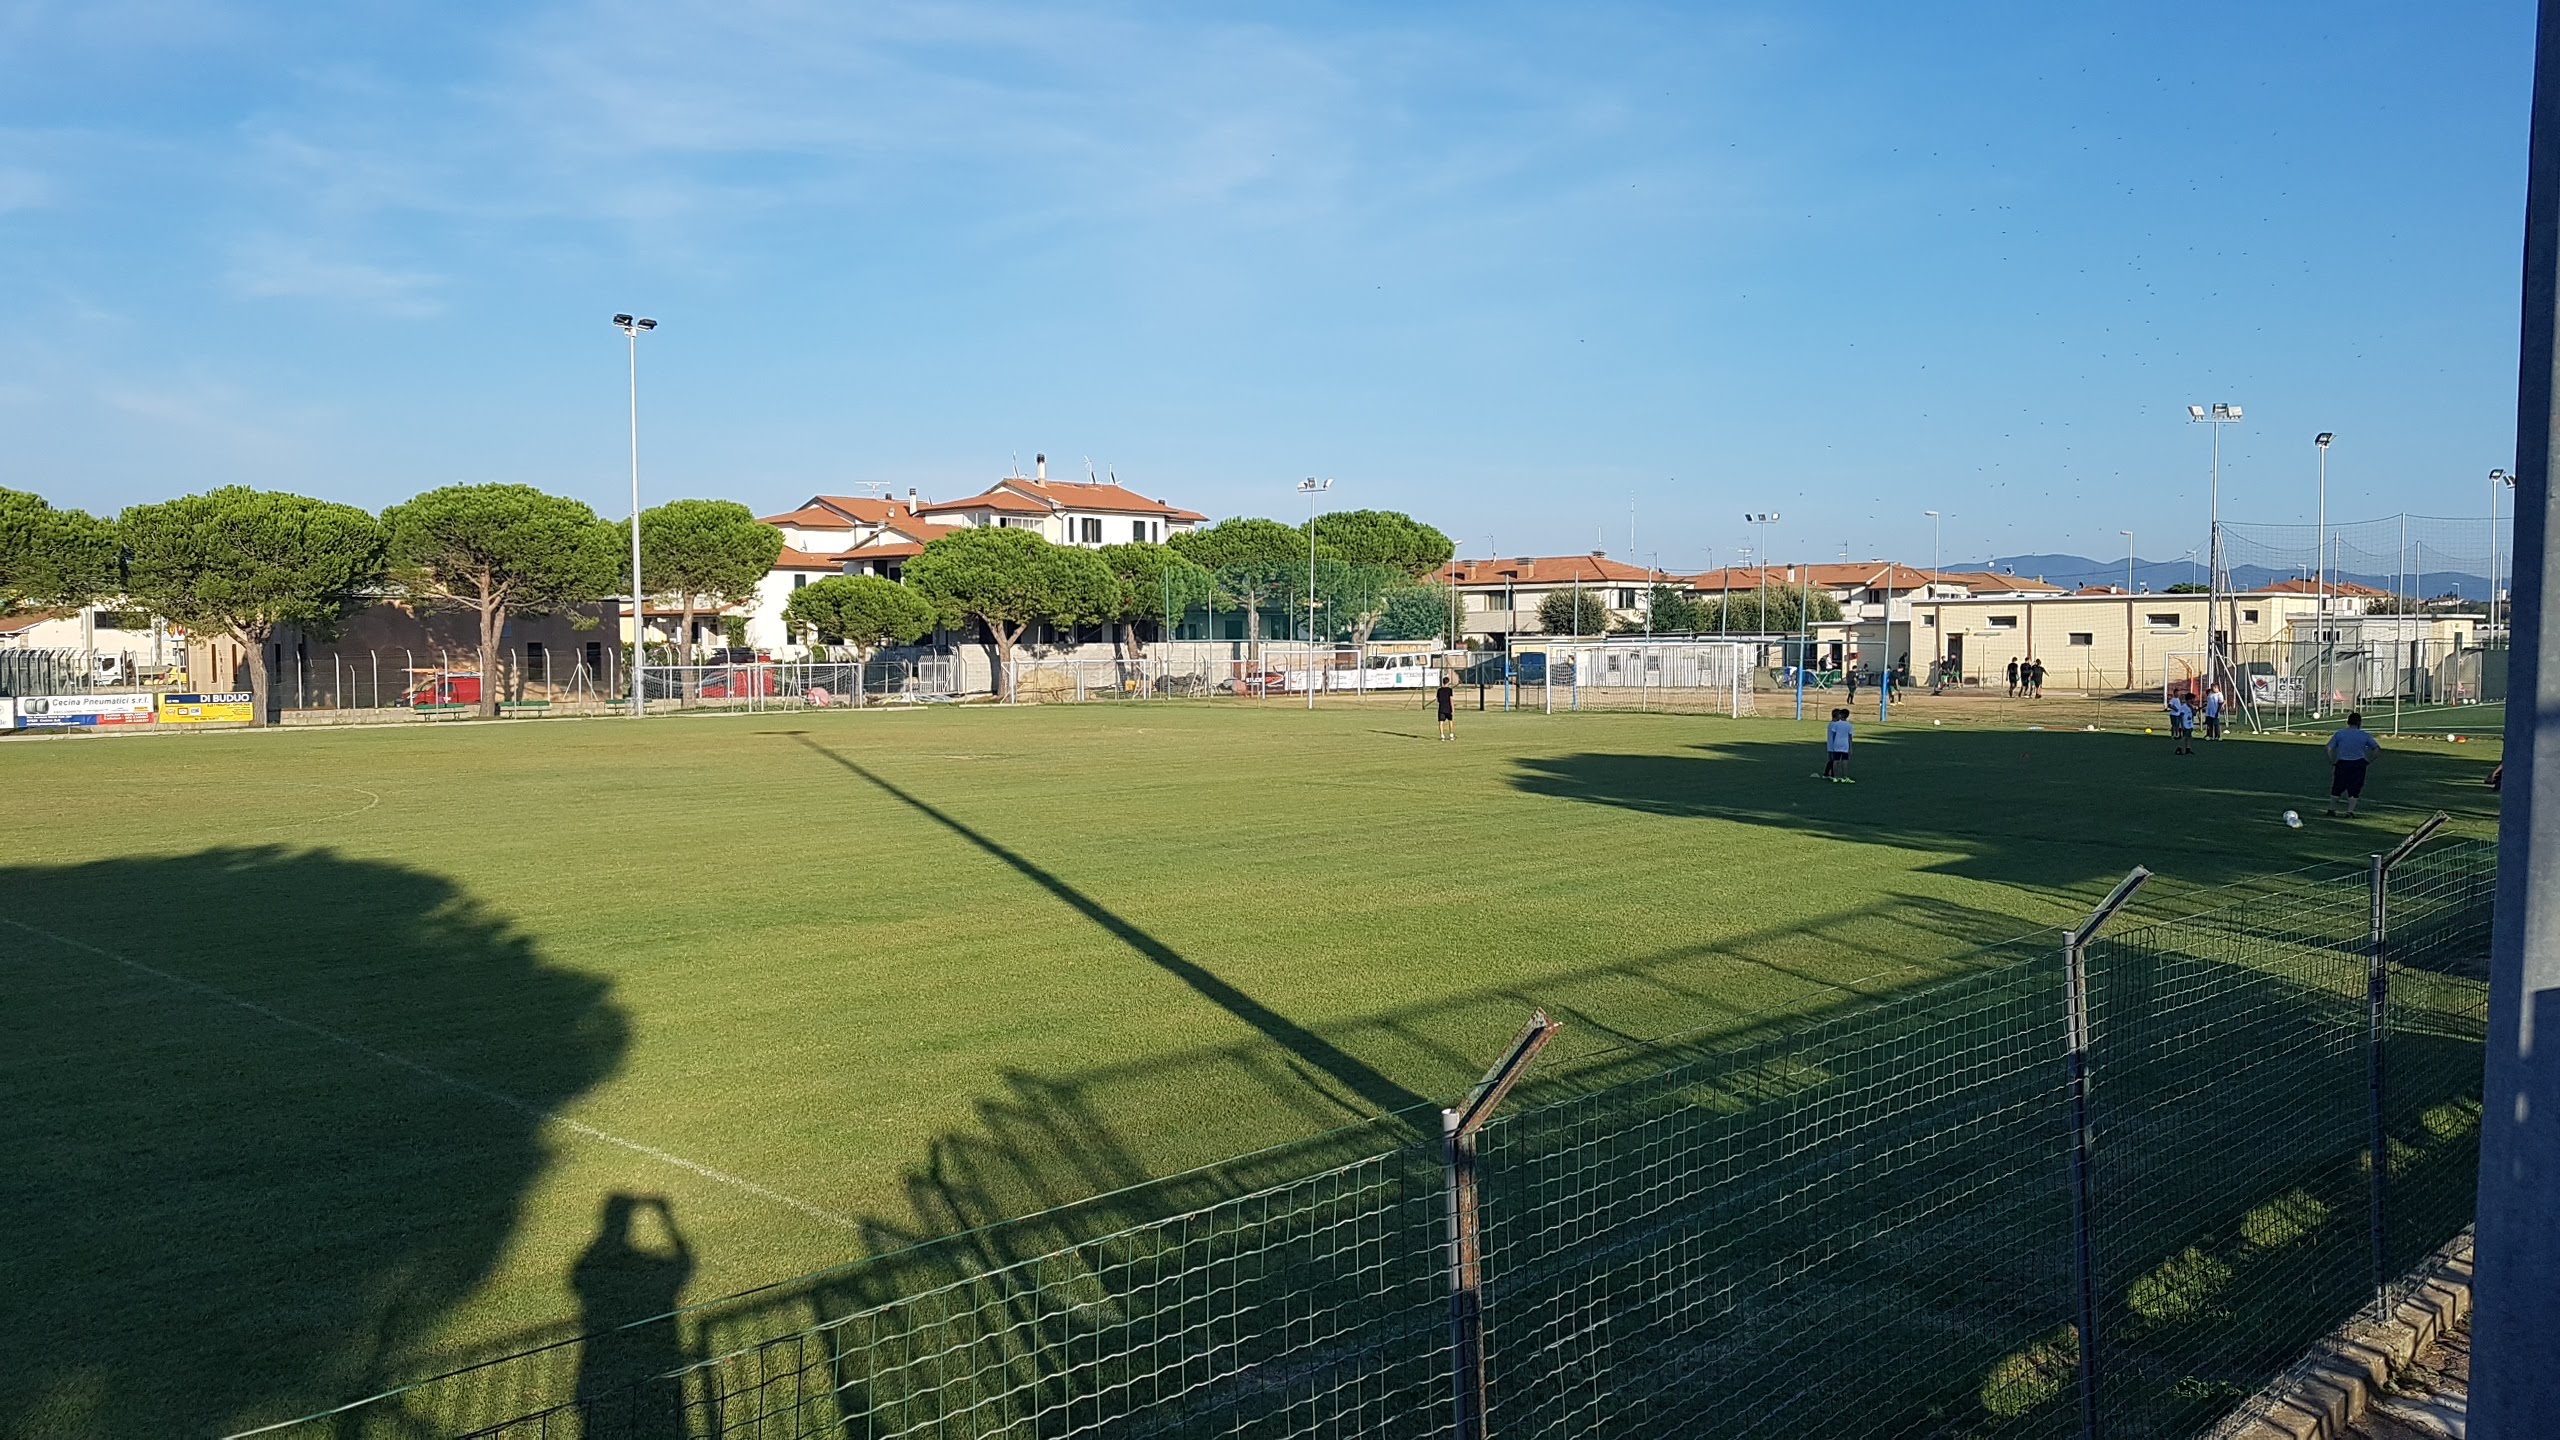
911,499
1039,467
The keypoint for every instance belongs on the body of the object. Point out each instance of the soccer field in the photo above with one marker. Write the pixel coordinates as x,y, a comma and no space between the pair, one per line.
327,1050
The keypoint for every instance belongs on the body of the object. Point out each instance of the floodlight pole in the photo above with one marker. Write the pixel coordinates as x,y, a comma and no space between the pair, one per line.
2498,479
633,329
2515,1384
1937,616
2222,413
1312,488
2320,613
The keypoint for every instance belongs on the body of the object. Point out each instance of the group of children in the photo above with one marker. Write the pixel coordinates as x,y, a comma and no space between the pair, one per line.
2351,750
2182,720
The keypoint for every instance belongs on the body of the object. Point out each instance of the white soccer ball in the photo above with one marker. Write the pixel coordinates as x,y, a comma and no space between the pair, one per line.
2293,819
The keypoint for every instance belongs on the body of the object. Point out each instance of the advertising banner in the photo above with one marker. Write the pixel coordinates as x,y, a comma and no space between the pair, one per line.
228,709
39,712
8,712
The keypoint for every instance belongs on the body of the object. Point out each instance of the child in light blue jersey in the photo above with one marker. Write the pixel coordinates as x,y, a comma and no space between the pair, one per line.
1835,748
2350,751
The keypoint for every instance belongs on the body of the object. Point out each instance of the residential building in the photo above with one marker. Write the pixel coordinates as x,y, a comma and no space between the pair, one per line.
1500,598
1089,513
2106,639
860,535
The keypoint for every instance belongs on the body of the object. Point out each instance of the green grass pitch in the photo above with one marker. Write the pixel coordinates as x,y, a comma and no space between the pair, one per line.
325,1050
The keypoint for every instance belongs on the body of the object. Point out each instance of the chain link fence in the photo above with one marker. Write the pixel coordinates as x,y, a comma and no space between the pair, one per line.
1900,1215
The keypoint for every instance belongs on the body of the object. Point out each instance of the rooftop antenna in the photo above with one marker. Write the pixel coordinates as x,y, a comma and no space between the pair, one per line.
1088,470
1016,472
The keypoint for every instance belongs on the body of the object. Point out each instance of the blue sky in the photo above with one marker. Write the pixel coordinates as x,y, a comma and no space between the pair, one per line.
1512,268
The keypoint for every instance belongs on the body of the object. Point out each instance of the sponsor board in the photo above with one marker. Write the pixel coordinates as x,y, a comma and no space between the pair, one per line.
42,712
227,709
8,712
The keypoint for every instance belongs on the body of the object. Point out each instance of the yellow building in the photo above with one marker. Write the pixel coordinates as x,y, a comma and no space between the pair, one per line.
2104,639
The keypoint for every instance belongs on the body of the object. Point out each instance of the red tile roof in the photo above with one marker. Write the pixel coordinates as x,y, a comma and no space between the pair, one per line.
918,531
860,507
811,517
2312,587
1546,570
1003,500
1987,582
791,559
1859,575
1071,495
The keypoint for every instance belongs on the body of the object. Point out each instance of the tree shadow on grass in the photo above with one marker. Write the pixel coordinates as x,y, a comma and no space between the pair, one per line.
2061,811
272,1114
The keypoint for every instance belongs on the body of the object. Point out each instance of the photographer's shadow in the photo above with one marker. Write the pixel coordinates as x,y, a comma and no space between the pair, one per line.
627,1281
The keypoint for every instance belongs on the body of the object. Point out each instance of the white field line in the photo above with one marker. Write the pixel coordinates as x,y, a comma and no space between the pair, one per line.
453,1082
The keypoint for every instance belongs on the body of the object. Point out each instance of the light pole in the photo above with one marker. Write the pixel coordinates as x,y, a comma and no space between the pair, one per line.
1937,631
2128,607
2320,607
2498,479
634,329
1763,519
1312,488
2219,415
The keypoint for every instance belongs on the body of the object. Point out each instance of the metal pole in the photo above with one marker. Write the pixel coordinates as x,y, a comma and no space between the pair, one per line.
2515,1387
2075,979
1459,1127
2320,618
2400,661
2213,571
1311,599
2377,995
639,620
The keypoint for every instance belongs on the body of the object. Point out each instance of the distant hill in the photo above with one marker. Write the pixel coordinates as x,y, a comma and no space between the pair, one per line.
2077,570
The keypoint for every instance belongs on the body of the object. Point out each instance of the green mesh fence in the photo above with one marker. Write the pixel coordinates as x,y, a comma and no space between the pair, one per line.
1855,1219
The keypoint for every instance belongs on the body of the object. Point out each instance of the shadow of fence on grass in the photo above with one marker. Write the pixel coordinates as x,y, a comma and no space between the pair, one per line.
1851,1218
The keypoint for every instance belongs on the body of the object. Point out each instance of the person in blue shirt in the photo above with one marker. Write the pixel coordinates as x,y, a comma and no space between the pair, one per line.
2213,713
2350,751
1835,747
2182,724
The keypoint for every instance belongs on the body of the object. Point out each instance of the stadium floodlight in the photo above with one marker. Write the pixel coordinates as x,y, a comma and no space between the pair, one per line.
2222,413
1311,487
1763,519
634,329
2499,479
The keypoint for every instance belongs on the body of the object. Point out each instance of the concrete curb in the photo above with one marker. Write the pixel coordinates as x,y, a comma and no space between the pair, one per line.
2339,1380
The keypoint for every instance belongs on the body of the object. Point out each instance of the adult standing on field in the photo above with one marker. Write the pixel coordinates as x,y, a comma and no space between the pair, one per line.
2213,713
1448,697
2013,679
2350,751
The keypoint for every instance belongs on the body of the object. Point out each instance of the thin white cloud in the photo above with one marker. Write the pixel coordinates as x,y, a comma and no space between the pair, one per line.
288,270
25,189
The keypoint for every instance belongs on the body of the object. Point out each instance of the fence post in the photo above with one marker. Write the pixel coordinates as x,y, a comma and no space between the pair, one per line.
2377,1005
2075,982
1458,1130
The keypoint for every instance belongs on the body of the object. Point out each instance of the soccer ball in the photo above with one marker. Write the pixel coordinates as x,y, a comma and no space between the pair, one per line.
2293,819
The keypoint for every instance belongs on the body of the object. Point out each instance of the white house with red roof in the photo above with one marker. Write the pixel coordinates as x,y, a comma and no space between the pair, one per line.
1501,597
861,535
1090,513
